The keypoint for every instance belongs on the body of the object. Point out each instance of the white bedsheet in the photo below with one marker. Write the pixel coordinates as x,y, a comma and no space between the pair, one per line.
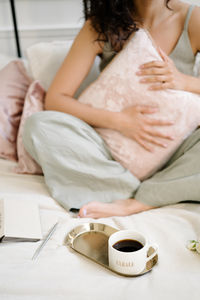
60,273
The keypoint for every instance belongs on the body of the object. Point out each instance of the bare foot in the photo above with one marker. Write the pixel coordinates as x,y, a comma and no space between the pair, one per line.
118,208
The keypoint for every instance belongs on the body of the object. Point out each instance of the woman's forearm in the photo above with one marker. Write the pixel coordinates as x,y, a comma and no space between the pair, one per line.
93,116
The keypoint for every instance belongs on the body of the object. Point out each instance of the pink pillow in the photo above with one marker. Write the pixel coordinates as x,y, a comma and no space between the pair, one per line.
34,102
14,83
118,87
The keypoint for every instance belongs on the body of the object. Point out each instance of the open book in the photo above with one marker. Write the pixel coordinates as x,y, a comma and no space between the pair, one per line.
19,220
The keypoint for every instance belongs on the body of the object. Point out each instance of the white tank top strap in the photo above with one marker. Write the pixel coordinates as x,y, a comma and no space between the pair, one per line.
187,19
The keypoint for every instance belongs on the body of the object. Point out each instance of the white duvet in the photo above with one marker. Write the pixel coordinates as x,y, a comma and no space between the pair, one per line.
60,273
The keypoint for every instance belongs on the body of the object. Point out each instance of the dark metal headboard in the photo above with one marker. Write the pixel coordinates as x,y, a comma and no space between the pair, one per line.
17,41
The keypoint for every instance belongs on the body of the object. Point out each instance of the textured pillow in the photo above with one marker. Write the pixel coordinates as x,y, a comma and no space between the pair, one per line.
118,87
46,58
14,83
5,59
34,102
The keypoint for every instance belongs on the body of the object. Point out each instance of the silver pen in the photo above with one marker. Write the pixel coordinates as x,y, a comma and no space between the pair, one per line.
38,250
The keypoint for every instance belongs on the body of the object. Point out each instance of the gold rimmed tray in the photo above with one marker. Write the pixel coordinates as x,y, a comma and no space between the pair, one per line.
91,240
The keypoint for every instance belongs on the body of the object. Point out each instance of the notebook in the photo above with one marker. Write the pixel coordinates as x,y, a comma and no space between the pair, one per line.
19,220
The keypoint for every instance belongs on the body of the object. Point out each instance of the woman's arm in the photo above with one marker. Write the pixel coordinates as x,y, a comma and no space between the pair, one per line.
74,69
132,122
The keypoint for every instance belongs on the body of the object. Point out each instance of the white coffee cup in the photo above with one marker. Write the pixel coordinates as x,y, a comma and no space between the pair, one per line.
129,263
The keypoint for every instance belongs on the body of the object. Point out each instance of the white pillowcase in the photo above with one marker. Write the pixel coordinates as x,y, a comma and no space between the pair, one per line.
118,87
46,58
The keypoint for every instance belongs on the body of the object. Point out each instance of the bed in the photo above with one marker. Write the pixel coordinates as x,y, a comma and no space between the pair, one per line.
61,273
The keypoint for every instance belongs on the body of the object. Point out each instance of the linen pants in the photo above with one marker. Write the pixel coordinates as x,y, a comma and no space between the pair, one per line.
78,167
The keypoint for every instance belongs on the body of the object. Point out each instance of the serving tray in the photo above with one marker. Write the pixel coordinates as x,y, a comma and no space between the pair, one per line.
91,240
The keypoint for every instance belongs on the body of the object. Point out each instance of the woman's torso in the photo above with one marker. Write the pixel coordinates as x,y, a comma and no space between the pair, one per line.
182,54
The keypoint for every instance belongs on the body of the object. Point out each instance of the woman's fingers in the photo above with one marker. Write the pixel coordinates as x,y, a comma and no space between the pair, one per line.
156,133
160,122
153,140
160,78
163,54
148,142
154,71
146,109
149,138
162,86
163,74
141,128
150,131
159,72
151,64
145,145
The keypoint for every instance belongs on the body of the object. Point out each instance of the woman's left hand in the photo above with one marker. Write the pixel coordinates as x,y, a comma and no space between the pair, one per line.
162,74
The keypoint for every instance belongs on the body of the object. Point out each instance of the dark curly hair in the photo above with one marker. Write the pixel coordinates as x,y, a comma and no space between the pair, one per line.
114,20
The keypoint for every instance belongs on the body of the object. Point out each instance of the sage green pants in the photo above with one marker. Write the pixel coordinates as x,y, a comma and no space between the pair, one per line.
78,167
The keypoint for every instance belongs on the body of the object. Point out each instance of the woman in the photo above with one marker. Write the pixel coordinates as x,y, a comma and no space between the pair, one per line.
78,168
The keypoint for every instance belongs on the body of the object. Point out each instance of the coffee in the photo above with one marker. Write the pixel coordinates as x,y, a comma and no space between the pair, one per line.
127,252
127,245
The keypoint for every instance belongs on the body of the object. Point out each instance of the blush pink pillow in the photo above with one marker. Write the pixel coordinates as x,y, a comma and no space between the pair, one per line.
34,102
118,87
14,83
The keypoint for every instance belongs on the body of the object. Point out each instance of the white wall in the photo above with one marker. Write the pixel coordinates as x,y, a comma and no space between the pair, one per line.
39,20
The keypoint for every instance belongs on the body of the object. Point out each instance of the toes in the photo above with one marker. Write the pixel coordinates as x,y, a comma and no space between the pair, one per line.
93,210
83,212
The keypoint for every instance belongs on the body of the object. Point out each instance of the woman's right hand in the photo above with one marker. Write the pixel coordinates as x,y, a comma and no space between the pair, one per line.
135,124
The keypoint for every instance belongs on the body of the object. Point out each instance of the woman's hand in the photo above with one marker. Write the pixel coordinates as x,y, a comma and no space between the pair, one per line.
162,74
135,124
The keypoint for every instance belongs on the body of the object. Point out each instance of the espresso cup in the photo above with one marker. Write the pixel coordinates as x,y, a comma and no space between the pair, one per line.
127,252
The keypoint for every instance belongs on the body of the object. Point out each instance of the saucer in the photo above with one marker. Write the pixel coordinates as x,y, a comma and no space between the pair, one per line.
91,240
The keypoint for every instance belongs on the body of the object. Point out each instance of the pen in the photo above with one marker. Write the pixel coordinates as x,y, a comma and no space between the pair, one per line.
38,250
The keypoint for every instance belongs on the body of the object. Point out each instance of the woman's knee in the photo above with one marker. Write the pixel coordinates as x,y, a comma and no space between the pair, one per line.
41,121
47,125
32,125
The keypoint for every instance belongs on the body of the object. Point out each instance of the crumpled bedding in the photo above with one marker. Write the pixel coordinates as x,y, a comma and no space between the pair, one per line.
60,273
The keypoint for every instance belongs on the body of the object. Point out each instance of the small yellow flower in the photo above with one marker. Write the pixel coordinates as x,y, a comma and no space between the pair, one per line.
191,245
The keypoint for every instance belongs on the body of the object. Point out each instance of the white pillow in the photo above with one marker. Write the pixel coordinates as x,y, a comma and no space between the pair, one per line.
118,87
46,58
